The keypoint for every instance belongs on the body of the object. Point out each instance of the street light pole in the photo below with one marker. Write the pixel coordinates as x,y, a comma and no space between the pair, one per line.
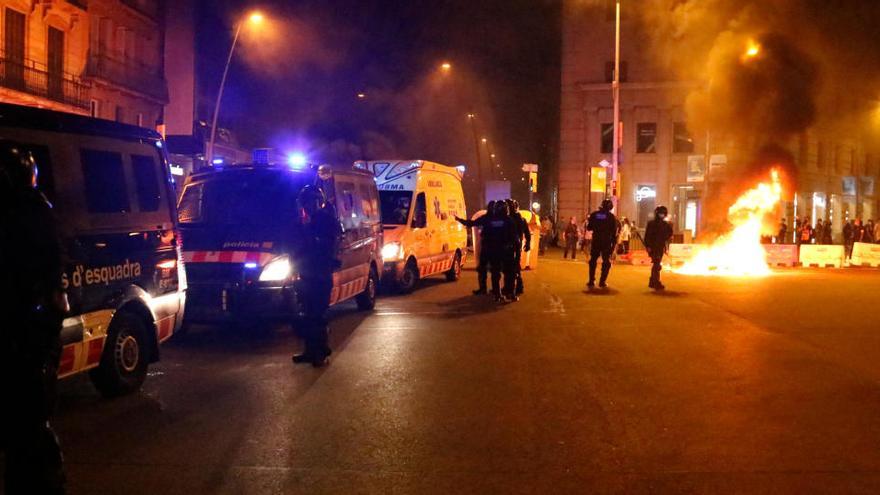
482,187
615,92
255,17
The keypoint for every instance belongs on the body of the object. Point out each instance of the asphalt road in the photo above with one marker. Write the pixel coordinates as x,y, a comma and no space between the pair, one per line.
716,386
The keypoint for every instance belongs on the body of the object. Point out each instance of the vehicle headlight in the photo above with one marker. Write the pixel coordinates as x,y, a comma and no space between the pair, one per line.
392,251
277,270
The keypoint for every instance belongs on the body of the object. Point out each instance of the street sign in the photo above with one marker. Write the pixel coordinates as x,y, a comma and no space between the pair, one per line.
716,162
530,167
604,164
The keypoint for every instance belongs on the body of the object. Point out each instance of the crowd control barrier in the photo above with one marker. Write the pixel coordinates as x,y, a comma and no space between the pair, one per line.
781,254
680,254
822,255
865,254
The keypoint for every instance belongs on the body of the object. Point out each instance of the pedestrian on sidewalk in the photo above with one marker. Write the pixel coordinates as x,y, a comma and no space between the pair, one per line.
603,224
570,235
657,235
625,234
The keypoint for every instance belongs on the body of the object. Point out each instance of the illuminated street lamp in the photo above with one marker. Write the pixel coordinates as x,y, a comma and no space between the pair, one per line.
446,66
254,19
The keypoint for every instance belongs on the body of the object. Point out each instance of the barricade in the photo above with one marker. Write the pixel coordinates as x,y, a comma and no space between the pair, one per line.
822,255
865,254
680,254
781,254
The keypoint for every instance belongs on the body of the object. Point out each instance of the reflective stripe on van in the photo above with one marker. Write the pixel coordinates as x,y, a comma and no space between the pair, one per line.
227,257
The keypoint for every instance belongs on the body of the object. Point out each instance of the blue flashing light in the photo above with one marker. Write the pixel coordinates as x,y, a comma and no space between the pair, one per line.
217,161
250,265
297,160
461,168
159,144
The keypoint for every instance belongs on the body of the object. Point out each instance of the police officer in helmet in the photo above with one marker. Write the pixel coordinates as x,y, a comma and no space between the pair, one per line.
522,234
33,305
603,224
657,236
316,263
483,261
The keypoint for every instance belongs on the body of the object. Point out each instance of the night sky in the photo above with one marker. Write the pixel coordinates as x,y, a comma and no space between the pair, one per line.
294,84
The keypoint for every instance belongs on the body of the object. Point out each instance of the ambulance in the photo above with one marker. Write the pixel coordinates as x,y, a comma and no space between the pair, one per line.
419,202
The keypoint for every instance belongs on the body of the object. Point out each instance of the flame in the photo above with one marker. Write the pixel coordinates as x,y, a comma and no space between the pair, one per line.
753,48
739,252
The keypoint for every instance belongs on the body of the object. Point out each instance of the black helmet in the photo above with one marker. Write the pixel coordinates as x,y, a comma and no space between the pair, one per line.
18,170
514,205
501,209
607,205
661,212
311,199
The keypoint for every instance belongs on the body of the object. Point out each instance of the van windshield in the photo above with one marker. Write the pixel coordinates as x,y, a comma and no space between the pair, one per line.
395,206
242,198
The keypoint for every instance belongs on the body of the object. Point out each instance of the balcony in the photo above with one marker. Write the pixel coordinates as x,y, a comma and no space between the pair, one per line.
130,75
28,76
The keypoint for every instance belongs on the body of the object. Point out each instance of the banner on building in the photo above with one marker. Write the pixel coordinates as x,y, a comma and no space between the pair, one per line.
696,168
598,176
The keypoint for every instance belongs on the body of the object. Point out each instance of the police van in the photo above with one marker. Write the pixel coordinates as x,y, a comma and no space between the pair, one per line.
420,200
113,196
241,238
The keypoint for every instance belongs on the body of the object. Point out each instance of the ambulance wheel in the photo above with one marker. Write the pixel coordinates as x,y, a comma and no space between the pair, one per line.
366,300
454,272
409,278
123,365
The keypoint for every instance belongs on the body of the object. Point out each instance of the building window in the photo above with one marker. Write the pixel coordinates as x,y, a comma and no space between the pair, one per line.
682,142
607,138
104,182
147,181
646,137
55,63
609,71
94,108
120,114
14,48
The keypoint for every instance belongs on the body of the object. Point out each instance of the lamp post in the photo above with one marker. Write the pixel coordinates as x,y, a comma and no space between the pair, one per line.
615,92
254,18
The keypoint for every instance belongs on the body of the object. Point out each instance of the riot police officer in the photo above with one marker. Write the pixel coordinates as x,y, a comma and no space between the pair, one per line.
33,304
483,261
316,264
522,234
657,236
603,224
499,235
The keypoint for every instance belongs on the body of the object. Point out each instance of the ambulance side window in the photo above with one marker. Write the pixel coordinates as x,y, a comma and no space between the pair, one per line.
420,215
345,206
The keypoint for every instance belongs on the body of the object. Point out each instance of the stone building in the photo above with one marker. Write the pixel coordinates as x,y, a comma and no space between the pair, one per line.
661,162
94,57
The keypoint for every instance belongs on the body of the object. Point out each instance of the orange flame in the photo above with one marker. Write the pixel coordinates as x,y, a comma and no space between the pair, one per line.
739,252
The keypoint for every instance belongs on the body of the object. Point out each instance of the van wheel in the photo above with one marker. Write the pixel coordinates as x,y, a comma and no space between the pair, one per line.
123,365
366,300
454,273
409,278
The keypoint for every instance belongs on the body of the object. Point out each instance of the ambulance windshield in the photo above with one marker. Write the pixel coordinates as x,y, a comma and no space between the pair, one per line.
256,198
395,206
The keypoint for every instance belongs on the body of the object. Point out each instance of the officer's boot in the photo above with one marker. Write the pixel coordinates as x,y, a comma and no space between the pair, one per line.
481,280
603,278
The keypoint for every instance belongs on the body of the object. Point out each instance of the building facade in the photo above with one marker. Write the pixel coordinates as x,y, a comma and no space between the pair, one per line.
661,162
102,58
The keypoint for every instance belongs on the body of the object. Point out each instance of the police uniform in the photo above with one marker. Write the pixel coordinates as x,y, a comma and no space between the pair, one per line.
483,261
603,224
657,234
499,235
30,347
522,234
317,262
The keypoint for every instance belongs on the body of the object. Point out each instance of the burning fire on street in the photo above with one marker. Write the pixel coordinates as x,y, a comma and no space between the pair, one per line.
739,252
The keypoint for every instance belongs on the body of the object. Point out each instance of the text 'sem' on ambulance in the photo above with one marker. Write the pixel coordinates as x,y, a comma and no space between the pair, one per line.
420,201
